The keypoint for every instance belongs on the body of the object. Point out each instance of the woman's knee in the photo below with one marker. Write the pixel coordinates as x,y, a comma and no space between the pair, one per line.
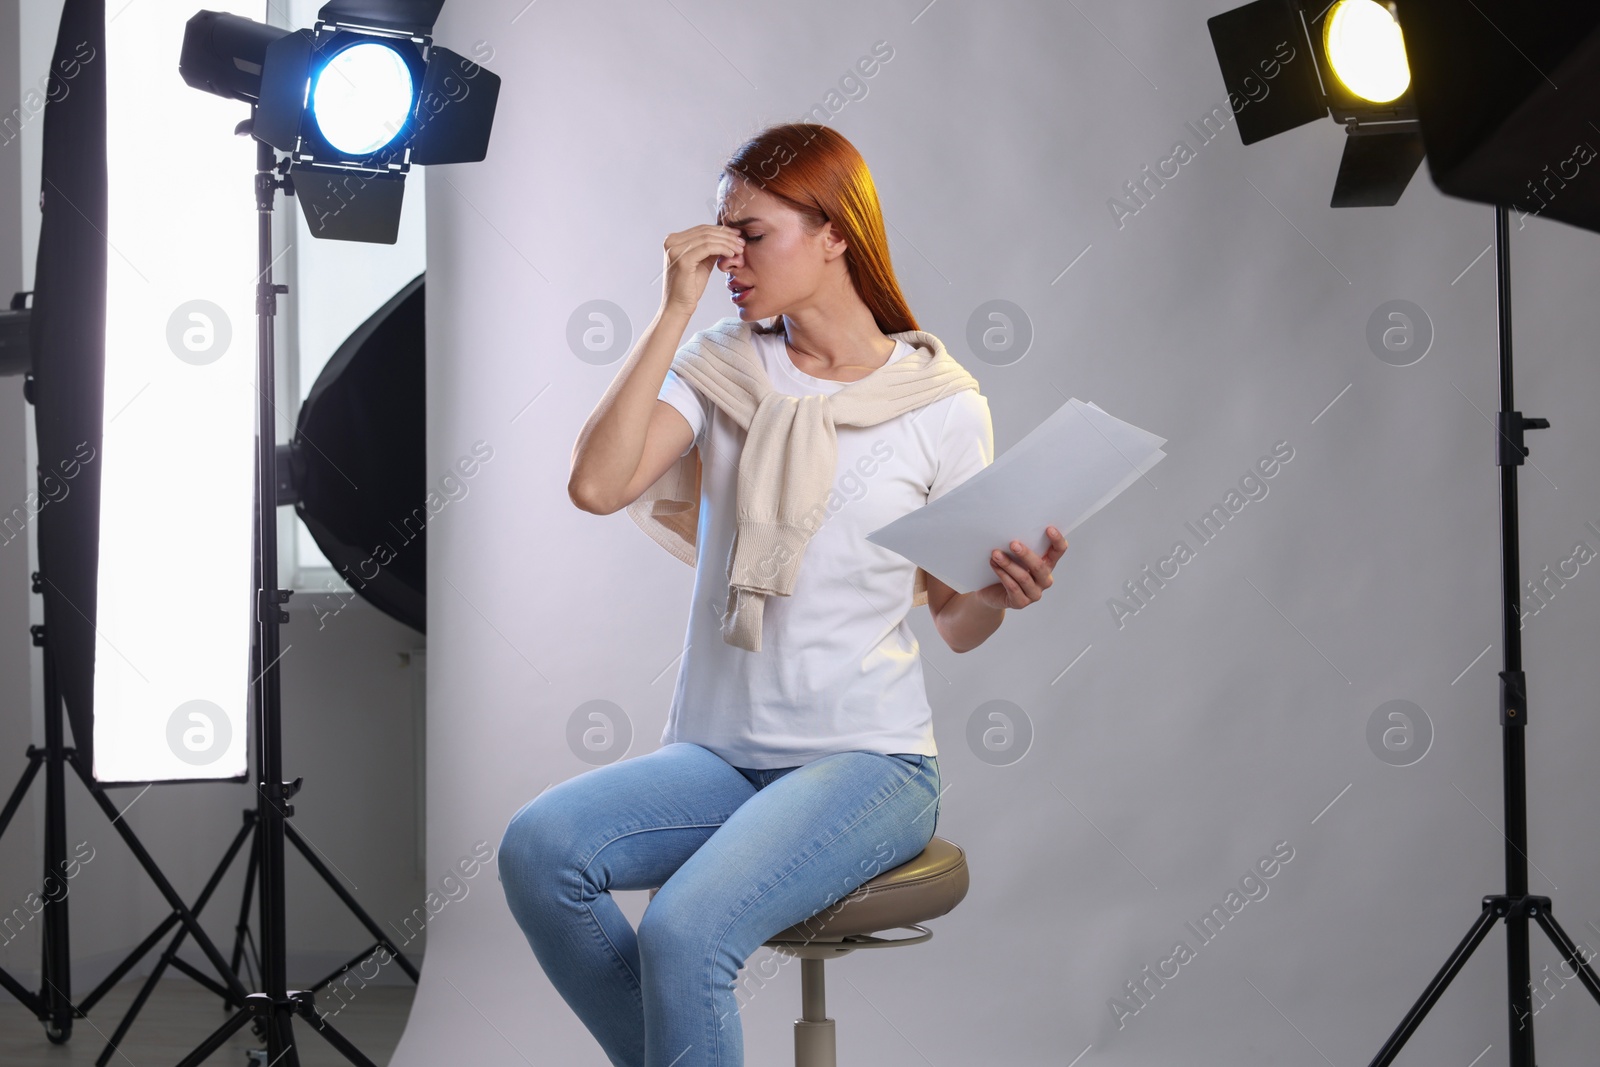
534,841
671,920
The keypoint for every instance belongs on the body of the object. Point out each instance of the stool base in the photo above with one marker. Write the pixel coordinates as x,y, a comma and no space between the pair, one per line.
814,1041
814,1044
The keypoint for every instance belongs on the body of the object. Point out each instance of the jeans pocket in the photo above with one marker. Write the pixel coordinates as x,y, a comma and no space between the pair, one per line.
913,758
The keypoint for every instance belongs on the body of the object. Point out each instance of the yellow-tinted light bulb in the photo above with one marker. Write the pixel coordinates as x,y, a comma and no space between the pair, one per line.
1363,44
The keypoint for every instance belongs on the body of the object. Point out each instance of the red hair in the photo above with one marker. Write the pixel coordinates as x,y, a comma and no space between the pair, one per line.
816,171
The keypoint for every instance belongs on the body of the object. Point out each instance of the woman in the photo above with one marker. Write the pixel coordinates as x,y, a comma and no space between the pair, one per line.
798,762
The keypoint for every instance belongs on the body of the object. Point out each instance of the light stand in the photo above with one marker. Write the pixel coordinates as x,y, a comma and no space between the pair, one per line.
274,1007
1516,905
251,831
53,1002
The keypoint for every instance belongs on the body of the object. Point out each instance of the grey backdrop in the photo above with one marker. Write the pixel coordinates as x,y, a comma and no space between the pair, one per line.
1147,766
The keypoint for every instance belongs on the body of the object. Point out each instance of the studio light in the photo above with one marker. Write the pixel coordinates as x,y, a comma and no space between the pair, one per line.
356,101
361,98
1290,62
1365,50
1502,97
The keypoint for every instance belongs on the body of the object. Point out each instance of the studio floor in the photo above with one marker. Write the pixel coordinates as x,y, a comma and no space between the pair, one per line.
180,1014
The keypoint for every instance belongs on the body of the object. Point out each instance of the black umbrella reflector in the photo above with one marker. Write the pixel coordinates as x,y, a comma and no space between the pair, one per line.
358,459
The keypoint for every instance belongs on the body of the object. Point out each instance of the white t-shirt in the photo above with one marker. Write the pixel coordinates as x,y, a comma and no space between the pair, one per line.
838,669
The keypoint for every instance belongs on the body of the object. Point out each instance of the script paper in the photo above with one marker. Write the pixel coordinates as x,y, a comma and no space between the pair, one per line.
1070,466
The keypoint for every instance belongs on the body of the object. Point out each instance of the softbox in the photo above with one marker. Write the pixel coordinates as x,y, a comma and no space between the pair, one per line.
355,468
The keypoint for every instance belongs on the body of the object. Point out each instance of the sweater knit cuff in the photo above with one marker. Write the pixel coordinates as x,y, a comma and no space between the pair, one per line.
741,623
765,556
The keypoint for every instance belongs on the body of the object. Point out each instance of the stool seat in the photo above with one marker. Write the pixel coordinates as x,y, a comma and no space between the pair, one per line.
926,886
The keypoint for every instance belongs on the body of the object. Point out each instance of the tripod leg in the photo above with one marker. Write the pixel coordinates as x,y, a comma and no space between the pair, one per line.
1520,991
149,864
133,1009
351,903
39,1005
306,1005
242,928
215,880
30,1000
110,981
218,1037
229,1001
280,1044
35,755
170,956
1569,950
1493,908
56,951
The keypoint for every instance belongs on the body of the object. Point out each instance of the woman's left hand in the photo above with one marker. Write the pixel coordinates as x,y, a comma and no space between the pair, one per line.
1022,583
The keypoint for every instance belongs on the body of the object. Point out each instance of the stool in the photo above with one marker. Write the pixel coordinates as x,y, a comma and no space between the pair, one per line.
922,888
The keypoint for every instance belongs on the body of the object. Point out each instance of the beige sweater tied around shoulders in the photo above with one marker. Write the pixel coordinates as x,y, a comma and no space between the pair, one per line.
786,468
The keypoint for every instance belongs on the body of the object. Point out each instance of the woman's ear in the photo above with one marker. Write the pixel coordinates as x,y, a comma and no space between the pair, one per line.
833,242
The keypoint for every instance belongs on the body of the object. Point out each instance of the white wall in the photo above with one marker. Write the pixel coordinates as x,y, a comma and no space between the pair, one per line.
352,706
1227,315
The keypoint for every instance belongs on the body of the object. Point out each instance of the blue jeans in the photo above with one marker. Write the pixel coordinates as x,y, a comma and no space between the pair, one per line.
780,846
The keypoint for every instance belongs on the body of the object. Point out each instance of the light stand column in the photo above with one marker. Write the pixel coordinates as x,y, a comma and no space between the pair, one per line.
1516,905
275,1006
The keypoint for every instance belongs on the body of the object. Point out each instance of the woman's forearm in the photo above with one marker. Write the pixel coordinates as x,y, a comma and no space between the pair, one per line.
611,443
965,622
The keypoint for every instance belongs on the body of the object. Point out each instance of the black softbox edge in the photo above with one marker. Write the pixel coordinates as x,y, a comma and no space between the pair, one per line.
67,338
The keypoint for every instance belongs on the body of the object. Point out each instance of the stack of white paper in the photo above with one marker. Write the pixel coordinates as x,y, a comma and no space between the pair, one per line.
1072,465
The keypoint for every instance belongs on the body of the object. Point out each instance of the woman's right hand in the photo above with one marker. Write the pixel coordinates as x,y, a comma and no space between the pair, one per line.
691,255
